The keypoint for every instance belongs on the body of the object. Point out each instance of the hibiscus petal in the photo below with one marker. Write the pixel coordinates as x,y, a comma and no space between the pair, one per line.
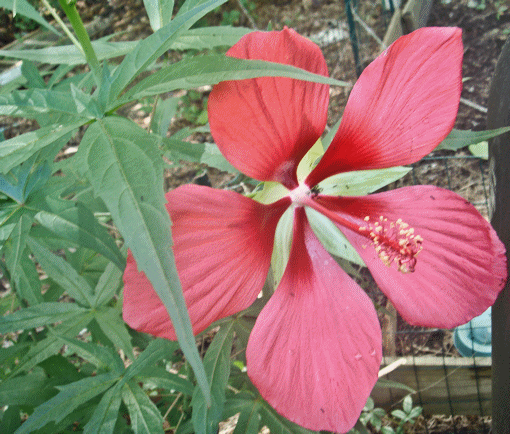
460,269
402,106
315,350
222,245
264,126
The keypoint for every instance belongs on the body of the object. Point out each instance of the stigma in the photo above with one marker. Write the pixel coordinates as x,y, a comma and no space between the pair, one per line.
394,242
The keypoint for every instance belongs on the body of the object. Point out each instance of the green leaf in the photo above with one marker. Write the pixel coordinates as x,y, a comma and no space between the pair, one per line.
39,315
102,357
75,222
14,247
460,138
211,69
277,423
149,49
10,419
415,412
24,389
214,158
399,414
31,73
383,382
217,367
331,237
70,54
51,345
62,273
159,12
155,352
205,38
107,286
328,138
249,420
282,243
26,280
361,182
25,178
159,378
115,329
407,405
480,150
20,148
23,7
124,167
145,416
67,400
242,401
105,415
32,102
165,111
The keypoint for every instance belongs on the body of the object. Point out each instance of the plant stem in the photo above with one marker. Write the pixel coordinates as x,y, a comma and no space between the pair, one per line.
54,14
83,38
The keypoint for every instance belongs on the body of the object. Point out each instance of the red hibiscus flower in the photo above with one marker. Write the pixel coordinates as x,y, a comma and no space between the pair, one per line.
315,350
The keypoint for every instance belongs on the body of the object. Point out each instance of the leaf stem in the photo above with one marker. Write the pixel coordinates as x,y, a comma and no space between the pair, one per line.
83,37
54,14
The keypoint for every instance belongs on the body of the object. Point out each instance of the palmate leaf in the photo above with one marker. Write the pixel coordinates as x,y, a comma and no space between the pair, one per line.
149,49
51,345
26,280
24,389
106,413
107,286
20,148
217,366
62,273
211,69
159,378
75,222
112,325
145,416
124,167
39,315
32,102
159,12
14,247
67,400
155,351
103,357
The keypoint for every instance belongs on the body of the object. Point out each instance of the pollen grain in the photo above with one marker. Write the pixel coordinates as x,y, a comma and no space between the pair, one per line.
394,242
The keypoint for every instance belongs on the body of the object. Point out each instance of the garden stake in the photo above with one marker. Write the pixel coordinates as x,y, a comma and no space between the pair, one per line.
499,163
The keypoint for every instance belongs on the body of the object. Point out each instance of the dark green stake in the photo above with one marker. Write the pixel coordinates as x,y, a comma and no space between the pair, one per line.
498,115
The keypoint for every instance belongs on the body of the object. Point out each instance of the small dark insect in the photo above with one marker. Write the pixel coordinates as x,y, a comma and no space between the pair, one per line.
315,190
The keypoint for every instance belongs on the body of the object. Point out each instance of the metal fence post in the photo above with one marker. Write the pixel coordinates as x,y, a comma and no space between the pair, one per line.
499,163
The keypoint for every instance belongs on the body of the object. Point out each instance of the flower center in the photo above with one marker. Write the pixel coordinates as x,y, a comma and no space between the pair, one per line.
393,242
300,194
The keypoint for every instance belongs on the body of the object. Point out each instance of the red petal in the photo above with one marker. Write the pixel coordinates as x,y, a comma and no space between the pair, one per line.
264,126
461,268
222,245
315,350
403,105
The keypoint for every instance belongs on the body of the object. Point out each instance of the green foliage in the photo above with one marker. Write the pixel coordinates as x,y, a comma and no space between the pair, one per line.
66,222
381,422
68,360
